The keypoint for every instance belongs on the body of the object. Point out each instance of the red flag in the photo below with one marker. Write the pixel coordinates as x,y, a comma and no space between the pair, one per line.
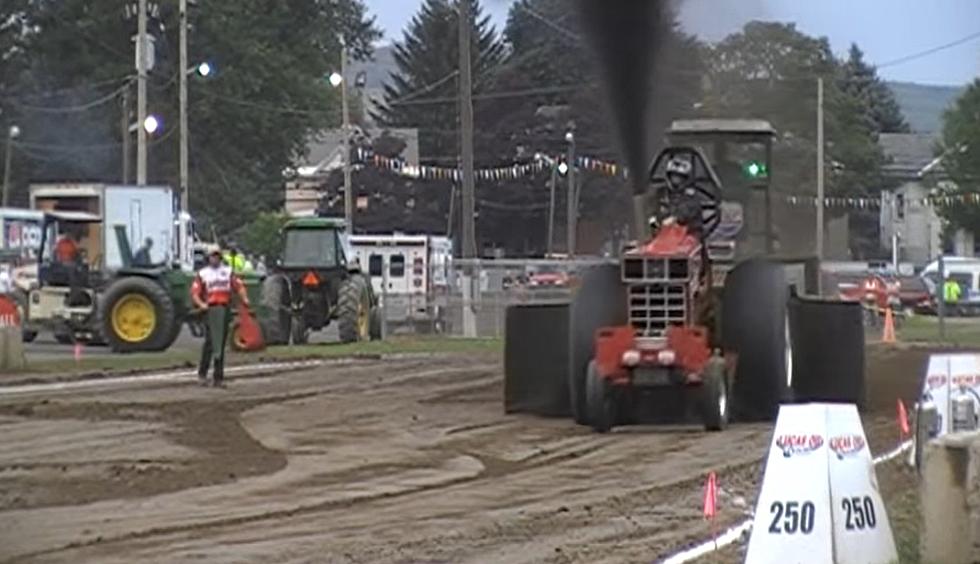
248,330
710,497
903,419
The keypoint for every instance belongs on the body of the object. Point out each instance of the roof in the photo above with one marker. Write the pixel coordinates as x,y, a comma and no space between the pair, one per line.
907,154
315,223
74,216
326,150
731,126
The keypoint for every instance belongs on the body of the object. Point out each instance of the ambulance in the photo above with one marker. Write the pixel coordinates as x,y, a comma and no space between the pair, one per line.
411,273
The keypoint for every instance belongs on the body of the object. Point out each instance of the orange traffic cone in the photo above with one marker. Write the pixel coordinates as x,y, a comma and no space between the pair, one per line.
888,334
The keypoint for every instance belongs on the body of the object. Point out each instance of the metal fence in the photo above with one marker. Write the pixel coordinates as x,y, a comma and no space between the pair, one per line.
475,301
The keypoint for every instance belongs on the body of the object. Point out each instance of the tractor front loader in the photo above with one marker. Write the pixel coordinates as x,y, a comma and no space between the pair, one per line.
692,323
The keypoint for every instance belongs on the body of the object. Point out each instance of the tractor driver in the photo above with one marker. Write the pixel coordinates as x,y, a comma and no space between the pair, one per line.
211,293
683,203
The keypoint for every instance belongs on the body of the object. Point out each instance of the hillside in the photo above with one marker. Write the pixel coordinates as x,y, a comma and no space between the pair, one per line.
923,104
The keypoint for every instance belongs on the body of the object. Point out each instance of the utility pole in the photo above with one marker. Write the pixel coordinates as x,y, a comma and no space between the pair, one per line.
184,174
142,44
572,207
466,127
348,196
820,180
941,294
13,132
551,207
124,125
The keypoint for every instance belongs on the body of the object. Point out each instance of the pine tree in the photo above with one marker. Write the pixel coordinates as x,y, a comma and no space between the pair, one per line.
861,81
428,63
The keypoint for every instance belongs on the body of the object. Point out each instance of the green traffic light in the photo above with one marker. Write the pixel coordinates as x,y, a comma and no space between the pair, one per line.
756,170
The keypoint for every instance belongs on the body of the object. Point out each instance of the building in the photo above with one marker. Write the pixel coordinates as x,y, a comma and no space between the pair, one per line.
907,222
325,154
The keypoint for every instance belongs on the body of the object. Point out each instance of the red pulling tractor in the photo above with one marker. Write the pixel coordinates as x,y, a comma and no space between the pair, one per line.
672,332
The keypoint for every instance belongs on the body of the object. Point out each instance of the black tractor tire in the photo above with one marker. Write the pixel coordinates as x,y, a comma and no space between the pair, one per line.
755,324
714,403
599,301
277,310
64,338
600,400
376,329
299,332
353,302
163,331
27,333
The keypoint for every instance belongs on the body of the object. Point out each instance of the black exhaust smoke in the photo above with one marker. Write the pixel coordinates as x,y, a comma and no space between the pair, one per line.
627,36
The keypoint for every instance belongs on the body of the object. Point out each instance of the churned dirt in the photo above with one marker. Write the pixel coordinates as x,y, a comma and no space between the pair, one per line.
409,460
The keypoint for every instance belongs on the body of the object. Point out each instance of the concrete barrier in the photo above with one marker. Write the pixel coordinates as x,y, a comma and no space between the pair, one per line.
950,496
11,350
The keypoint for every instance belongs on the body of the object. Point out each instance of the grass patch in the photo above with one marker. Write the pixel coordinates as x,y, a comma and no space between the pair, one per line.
102,363
900,490
925,329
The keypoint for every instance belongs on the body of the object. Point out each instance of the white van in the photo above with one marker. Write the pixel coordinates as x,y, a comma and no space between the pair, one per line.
411,272
965,271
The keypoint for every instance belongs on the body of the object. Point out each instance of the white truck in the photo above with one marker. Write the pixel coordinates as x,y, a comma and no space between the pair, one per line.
147,212
411,273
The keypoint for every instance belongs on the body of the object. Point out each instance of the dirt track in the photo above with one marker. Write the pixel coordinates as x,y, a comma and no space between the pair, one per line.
369,461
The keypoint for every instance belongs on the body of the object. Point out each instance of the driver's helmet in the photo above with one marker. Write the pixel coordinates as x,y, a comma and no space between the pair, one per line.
678,167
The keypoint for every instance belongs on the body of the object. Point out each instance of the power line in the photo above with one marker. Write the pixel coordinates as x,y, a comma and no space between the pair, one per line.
561,30
928,52
73,109
424,89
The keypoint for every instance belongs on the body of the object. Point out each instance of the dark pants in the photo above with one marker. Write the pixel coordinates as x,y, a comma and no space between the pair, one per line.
215,334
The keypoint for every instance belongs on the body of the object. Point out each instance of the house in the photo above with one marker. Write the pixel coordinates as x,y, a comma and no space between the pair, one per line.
325,154
907,221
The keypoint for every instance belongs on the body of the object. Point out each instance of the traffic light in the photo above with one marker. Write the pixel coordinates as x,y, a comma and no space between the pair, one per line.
756,169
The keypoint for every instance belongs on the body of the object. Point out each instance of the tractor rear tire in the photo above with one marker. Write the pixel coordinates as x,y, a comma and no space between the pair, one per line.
600,401
354,310
755,324
714,403
600,301
277,306
376,330
141,306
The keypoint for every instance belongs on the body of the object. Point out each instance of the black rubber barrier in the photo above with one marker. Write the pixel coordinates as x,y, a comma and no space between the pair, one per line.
536,359
828,351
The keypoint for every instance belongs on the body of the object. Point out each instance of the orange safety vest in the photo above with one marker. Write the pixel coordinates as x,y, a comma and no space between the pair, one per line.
215,285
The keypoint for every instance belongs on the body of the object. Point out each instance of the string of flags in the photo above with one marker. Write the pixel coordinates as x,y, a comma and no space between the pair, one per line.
539,163
874,203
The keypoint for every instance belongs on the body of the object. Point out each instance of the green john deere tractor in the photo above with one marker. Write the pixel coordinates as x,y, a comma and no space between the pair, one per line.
316,283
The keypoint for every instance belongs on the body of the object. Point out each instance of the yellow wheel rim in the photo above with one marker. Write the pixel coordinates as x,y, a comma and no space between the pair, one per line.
133,318
363,320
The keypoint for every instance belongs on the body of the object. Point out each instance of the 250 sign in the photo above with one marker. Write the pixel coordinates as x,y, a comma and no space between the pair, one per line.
859,513
791,517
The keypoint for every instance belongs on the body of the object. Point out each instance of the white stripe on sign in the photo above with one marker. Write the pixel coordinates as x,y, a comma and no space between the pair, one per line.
173,376
735,533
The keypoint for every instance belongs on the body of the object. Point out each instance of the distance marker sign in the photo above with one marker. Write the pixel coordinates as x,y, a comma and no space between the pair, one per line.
819,501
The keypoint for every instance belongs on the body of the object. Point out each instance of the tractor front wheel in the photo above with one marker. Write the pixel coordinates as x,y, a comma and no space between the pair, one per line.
600,400
354,310
714,396
300,332
137,314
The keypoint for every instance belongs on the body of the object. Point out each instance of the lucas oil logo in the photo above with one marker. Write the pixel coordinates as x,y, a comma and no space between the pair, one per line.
846,445
798,444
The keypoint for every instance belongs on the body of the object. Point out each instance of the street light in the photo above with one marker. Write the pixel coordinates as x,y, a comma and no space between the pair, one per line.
204,69
12,134
151,124
336,79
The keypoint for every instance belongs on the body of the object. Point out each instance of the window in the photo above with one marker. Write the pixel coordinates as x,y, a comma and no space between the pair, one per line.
376,265
900,205
313,248
397,268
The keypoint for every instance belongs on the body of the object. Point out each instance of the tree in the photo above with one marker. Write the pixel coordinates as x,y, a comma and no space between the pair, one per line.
248,123
960,152
262,236
422,94
860,81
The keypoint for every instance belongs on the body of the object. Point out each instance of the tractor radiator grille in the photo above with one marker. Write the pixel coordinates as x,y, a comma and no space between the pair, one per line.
654,307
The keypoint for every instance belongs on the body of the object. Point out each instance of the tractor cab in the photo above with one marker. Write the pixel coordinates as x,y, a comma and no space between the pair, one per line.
739,152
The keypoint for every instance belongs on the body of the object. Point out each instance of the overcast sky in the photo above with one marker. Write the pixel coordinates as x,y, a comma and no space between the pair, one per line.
885,29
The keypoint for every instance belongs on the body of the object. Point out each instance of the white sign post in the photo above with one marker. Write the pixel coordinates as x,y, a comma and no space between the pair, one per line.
820,501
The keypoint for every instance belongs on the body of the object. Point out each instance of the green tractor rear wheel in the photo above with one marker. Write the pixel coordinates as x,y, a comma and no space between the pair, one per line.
354,310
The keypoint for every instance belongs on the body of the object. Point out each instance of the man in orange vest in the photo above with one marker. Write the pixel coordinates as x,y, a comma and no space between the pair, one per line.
211,292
